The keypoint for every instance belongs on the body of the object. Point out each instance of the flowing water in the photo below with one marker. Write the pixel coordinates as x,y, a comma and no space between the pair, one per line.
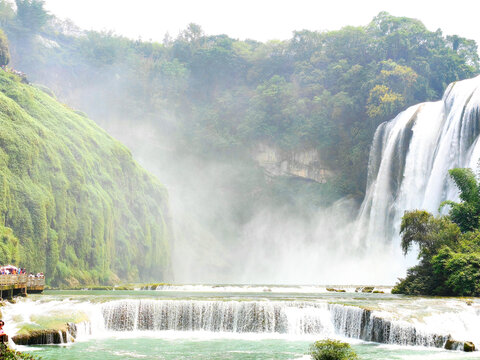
408,166
411,155
244,322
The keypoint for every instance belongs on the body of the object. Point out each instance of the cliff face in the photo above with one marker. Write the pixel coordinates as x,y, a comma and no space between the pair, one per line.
73,202
305,164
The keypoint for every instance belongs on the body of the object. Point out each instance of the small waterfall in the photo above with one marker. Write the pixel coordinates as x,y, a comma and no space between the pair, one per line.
411,155
363,324
305,319
216,316
294,318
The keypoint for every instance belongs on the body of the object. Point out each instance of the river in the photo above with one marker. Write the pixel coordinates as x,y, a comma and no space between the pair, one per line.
245,322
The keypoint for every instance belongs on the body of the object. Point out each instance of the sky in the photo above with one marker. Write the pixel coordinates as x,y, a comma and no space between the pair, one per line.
259,19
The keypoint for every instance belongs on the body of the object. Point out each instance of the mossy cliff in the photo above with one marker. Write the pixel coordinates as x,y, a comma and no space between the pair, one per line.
73,202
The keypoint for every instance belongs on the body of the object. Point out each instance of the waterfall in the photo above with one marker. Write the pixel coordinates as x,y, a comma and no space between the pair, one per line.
293,318
264,318
411,155
363,324
217,316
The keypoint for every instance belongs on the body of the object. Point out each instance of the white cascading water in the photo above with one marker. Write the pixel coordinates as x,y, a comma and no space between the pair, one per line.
297,319
411,156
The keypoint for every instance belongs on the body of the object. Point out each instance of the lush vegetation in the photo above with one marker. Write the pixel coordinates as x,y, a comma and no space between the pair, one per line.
218,95
208,101
8,354
73,203
332,350
449,246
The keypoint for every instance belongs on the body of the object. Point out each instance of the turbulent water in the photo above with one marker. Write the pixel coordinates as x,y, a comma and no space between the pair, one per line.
411,156
277,324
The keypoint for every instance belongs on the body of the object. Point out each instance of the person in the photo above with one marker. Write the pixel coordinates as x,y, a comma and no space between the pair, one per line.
3,336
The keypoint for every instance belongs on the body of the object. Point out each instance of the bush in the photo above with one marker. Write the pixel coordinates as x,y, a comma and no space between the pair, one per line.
8,354
332,350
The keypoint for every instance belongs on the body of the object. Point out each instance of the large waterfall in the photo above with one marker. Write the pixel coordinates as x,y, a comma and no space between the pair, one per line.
411,155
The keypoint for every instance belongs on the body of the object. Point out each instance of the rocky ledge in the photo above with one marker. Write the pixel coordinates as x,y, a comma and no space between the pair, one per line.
47,336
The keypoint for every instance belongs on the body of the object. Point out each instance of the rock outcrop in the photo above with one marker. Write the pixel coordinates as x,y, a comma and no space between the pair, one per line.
305,164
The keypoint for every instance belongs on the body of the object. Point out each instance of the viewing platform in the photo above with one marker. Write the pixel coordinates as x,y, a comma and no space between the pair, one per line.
20,285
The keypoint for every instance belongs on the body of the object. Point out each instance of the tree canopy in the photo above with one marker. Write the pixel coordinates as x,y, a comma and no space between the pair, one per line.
449,246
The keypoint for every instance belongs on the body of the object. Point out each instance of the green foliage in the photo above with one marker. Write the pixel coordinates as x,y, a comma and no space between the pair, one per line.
332,350
324,90
31,15
73,203
466,213
449,246
212,100
8,354
9,246
4,52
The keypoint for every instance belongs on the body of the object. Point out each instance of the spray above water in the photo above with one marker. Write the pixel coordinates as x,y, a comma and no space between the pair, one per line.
408,169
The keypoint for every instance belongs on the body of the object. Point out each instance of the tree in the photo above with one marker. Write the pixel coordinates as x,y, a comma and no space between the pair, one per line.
4,52
449,246
465,214
383,102
31,14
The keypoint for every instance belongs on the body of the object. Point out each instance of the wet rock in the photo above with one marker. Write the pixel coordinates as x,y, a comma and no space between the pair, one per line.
468,346
41,337
335,290
367,289
451,344
72,329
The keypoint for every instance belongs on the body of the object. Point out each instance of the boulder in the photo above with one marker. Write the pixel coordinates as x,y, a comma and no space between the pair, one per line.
41,337
367,289
451,344
468,346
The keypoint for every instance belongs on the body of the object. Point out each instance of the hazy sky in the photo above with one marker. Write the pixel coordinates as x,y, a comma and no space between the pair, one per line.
260,19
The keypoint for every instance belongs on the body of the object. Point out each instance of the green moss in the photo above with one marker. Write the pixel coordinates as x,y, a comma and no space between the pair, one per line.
73,202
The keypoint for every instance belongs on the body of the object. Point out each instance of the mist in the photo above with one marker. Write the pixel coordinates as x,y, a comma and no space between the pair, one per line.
194,111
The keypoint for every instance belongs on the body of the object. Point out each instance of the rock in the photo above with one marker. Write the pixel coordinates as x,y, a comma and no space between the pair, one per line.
378,292
367,289
301,163
335,290
41,337
451,344
468,346
72,329
469,302
47,336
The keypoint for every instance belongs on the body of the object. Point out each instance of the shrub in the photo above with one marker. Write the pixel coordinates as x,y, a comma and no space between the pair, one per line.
8,354
332,350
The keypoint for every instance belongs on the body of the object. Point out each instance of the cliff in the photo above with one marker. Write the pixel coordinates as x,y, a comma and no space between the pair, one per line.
304,163
73,202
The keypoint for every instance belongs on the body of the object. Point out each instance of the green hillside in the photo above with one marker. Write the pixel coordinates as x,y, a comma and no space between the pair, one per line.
73,202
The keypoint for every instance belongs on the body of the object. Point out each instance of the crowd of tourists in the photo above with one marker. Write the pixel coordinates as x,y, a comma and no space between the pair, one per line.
13,270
